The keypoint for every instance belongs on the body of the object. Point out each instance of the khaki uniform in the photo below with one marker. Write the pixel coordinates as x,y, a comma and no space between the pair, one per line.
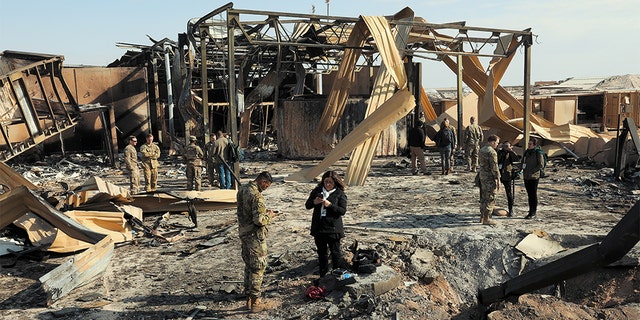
131,163
472,137
150,154
489,177
252,227
194,155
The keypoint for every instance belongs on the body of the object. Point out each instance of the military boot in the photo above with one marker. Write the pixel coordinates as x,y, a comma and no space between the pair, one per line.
488,220
259,304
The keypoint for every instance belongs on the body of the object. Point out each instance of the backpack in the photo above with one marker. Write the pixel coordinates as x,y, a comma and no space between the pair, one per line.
544,164
233,153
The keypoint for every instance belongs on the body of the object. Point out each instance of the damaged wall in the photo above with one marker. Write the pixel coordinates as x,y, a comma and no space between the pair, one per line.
123,88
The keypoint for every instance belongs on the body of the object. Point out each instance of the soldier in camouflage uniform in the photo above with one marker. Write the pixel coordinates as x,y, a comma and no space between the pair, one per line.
472,137
253,218
131,163
489,178
150,153
193,154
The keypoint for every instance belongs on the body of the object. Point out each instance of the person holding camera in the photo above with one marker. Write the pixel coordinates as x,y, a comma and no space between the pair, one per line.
506,160
329,204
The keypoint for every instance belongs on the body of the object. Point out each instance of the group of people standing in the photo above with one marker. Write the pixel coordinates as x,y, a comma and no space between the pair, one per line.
329,203
497,167
494,166
215,156
149,154
446,143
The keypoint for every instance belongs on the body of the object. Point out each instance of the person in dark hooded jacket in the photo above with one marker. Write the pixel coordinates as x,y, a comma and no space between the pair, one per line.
329,204
532,163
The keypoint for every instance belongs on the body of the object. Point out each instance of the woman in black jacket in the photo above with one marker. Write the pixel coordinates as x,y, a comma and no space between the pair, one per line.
532,163
329,203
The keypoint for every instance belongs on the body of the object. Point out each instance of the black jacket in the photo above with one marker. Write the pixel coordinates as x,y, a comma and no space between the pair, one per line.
332,222
416,137
505,163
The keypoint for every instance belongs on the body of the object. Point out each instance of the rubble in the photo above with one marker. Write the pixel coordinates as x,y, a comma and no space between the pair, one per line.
435,254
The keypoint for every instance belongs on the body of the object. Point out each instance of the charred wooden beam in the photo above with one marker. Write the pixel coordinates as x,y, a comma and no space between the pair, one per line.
622,238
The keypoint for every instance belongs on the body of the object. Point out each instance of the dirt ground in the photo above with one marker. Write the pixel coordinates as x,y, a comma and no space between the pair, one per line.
396,213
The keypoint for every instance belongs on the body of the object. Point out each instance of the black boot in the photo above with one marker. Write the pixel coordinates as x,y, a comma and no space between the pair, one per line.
531,215
510,213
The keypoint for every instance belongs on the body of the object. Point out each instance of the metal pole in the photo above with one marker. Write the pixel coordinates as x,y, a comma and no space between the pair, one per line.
460,97
167,67
527,89
204,83
231,70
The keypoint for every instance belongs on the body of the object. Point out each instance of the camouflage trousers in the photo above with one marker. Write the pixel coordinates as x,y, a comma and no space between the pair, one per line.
150,177
487,196
134,180
194,177
254,255
471,155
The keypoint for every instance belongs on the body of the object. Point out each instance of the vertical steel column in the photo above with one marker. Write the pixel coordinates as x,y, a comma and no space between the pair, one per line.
460,97
527,41
233,105
167,71
204,83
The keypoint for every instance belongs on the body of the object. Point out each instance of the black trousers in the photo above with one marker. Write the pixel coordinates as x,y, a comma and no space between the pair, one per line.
324,244
532,194
508,189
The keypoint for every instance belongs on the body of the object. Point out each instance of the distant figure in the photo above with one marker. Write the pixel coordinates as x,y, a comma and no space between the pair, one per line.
131,163
415,140
489,178
193,155
211,160
532,163
220,152
506,159
446,141
253,219
329,204
473,135
150,153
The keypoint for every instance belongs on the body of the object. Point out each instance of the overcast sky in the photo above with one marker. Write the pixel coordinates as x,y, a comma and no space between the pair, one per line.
574,38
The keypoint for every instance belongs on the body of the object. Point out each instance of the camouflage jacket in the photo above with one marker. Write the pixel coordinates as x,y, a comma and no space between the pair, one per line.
488,164
252,212
131,158
473,135
150,154
193,154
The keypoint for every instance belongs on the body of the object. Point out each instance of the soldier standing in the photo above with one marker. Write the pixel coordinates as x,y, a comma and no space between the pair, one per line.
150,153
489,175
131,163
472,137
253,218
211,160
193,154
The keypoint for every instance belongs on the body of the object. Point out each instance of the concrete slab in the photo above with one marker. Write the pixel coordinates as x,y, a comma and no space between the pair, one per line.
383,280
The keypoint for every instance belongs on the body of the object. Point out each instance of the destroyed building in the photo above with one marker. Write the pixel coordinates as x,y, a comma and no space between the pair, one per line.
319,87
